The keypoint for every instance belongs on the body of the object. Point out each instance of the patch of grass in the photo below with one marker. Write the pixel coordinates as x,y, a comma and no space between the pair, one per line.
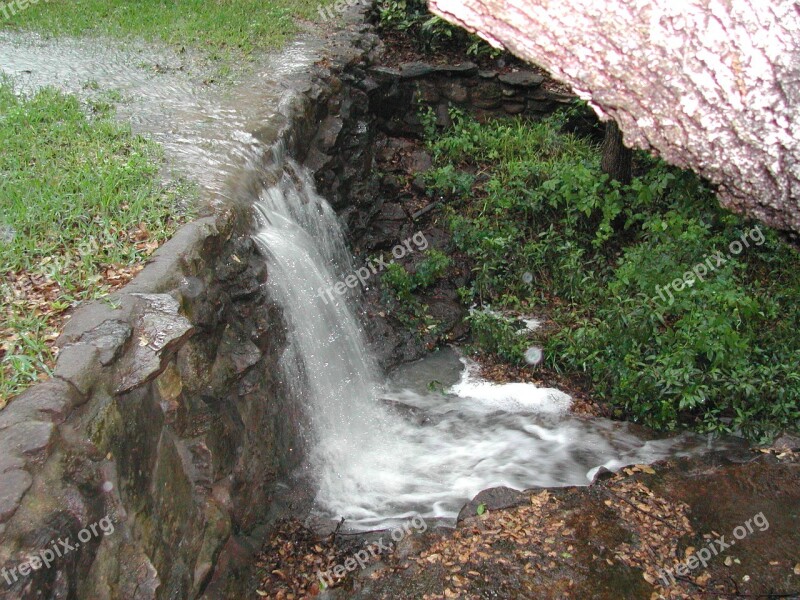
546,228
80,208
225,29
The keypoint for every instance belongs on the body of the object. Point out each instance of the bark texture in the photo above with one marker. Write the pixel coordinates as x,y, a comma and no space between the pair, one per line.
616,158
710,85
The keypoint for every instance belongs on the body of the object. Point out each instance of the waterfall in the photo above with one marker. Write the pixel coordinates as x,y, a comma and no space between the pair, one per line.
380,451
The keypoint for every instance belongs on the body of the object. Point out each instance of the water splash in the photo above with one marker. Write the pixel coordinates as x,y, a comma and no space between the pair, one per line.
381,451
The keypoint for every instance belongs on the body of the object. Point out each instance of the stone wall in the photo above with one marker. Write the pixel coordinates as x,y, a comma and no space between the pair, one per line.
398,91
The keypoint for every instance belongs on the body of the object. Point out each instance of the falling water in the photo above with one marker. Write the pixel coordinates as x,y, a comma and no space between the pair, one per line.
385,450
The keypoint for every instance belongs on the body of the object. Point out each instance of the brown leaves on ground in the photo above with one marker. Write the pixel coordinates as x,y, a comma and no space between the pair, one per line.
555,546
565,543
657,525
291,559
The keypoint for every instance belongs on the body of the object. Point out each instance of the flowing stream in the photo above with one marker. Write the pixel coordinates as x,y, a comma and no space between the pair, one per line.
379,450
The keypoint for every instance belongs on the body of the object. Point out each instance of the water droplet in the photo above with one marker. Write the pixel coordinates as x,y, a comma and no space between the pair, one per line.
533,355
192,287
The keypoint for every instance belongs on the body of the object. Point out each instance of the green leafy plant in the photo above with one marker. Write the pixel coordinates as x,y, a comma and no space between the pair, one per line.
543,225
402,285
412,16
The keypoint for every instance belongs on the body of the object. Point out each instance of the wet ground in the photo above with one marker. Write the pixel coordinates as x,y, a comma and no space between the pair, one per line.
710,527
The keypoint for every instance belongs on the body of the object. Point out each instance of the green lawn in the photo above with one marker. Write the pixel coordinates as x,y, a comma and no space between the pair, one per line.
221,28
80,207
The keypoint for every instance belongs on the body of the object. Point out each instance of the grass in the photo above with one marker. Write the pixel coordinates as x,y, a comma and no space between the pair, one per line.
223,29
80,208
550,234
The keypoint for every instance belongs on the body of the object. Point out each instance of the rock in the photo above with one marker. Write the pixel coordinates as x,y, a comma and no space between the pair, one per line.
77,364
120,570
47,401
11,462
494,499
13,488
486,95
329,132
169,383
216,533
419,162
464,69
159,330
601,474
390,181
235,262
415,69
31,439
787,442
454,91
108,338
427,92
514,108
384,73
419,185
197,464
443,116
392,211
521,78
236,354
235,557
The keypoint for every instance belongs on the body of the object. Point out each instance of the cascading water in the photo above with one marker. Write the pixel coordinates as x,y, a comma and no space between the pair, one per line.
382,451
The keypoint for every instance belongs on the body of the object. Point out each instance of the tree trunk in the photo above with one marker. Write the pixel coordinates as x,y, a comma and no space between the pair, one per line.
616,158
712,85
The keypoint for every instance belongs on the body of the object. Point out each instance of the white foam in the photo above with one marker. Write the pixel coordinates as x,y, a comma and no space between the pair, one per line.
531,323
509,397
